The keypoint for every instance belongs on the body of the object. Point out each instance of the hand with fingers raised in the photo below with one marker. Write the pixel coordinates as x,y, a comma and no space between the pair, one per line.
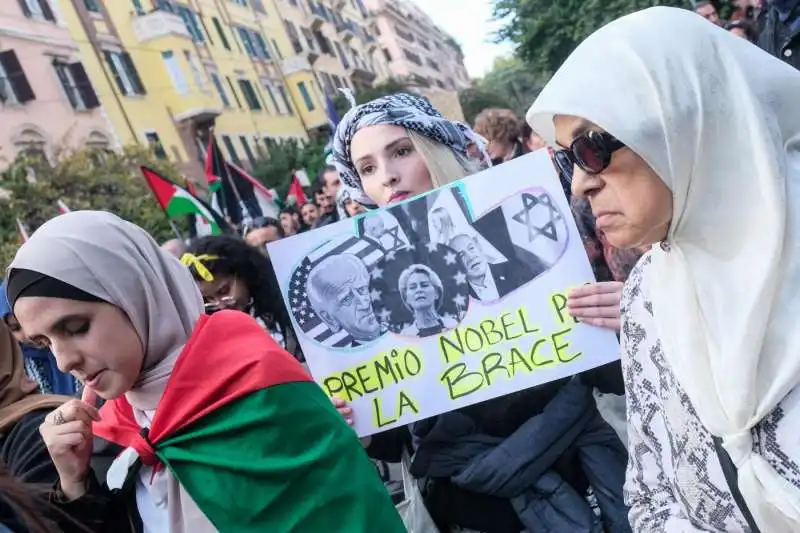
597,304
67,433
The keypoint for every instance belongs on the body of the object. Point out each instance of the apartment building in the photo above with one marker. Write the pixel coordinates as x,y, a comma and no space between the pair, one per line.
416,49
332,41
169,72
47,101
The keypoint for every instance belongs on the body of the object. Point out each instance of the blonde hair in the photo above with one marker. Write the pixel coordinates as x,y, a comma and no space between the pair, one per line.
444,165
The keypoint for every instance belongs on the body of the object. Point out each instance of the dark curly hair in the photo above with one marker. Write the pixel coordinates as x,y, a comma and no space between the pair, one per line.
245,263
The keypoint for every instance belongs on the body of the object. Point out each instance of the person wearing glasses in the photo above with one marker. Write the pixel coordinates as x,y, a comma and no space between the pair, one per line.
233,275
691,147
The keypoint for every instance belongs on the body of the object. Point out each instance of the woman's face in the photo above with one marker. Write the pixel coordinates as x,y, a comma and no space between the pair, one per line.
354,208
631,205
389,166
14,328
420,292
93,341
310,214
225,292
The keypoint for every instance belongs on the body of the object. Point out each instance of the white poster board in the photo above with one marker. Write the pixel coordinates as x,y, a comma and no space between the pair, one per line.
445,300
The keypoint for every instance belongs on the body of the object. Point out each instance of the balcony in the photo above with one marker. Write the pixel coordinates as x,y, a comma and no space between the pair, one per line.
158,24
347,31
362,74
198,106
315,17
296,64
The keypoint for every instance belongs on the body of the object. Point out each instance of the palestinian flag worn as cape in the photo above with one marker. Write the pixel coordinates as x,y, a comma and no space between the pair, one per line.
178,203
253,440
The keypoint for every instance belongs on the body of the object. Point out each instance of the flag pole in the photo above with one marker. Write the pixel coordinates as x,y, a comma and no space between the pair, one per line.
175,229
218,153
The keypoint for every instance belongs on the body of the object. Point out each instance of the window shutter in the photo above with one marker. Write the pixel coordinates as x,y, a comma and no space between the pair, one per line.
130,68
84,85
24,6
47,10
16,77
62,77
117,75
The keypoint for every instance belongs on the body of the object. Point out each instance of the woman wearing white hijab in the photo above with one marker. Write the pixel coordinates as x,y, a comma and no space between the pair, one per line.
206,406
684,135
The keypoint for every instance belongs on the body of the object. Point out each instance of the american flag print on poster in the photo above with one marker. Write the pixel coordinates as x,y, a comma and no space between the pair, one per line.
297,296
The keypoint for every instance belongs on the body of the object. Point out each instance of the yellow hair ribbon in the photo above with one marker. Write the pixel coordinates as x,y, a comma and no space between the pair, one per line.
196,262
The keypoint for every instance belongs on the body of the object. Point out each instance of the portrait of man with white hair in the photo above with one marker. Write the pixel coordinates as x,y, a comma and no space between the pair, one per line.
338,289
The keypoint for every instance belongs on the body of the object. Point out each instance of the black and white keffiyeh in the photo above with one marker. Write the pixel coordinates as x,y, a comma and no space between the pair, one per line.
401,109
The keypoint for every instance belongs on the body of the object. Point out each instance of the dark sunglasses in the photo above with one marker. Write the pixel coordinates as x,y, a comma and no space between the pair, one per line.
590,151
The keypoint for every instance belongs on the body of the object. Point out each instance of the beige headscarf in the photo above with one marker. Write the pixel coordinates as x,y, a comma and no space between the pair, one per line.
118,262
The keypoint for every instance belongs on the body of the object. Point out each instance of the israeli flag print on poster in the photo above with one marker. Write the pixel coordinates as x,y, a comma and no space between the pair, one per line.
445,300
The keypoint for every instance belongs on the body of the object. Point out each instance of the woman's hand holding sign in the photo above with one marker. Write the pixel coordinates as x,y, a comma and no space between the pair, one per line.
597,304
346,411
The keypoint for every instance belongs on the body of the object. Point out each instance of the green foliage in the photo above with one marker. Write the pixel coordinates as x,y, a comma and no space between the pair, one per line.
275,169
546,32
511,83
85,179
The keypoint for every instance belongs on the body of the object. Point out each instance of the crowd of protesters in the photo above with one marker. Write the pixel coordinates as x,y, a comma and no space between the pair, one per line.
210,422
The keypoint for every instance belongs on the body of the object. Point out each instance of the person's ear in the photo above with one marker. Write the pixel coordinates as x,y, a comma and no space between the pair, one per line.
330,320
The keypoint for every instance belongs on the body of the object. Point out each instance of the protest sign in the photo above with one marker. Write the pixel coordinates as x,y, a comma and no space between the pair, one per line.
445,300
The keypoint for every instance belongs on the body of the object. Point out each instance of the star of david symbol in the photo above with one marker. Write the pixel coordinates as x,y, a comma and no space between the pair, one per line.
529,203
394,233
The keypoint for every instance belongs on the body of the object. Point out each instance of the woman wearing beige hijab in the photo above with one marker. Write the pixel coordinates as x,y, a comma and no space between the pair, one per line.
223,429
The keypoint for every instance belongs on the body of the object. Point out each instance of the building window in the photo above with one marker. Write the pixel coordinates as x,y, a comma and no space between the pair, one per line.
235,94
220,89
155,143
262,50
268,87
226,140
242,3
221,32
124,72
342,57
294,37
258,5
307,99
14,85
310,38
277,49
175,73
190,19
76,85
432,64
137,7
324,44
92,5
250,95
254,43
31,143
387,55
37,9
411,56
247,150
197,72
404,34
285,98
244,35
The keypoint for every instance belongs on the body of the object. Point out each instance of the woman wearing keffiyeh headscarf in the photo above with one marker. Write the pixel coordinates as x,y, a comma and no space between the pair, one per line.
223,430
397,147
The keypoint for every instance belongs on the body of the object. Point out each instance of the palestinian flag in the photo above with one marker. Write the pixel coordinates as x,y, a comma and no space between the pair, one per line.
62,208
239,196
177,203
296,192
253,440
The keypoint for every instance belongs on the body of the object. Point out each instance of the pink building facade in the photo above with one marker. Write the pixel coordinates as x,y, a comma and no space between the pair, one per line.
47,102
417,49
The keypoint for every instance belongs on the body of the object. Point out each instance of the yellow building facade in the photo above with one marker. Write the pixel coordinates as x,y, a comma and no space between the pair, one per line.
169,72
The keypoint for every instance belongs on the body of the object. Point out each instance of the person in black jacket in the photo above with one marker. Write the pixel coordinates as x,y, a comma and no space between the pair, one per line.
780,30
22,411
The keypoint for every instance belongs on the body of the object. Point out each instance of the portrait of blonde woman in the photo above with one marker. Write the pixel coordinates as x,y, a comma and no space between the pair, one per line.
422,292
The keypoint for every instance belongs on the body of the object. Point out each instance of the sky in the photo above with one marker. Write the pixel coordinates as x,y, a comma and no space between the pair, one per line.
470,22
